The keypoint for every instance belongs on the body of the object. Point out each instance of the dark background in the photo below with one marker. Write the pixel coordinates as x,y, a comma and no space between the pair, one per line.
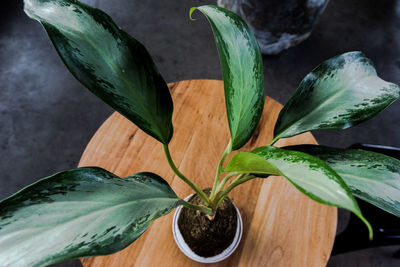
47,117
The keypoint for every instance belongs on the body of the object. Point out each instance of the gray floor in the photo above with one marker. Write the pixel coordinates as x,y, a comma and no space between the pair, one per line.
47,117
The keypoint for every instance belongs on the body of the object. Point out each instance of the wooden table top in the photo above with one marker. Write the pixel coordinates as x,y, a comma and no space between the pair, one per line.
281,226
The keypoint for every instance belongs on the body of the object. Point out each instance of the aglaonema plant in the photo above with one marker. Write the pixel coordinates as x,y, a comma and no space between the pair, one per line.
90,211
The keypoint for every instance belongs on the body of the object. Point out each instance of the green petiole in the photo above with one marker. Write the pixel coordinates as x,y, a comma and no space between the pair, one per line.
239,180
220,170
183,177
204,209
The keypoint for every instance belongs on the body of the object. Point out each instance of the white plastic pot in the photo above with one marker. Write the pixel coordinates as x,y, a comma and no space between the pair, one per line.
189,253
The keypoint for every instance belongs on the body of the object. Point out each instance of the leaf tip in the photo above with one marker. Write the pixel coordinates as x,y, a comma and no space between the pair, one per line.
192,9
370,230
28,8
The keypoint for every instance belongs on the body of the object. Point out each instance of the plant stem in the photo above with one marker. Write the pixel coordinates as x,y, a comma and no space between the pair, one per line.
225,180
227,150
239,180
183,177
204,209
219,194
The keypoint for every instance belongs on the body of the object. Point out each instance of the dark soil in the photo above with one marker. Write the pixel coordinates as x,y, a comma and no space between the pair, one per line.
207,237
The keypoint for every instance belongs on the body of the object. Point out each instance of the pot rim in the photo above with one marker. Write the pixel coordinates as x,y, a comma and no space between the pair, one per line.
180,241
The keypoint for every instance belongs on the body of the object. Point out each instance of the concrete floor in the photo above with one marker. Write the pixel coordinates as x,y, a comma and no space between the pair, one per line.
47,117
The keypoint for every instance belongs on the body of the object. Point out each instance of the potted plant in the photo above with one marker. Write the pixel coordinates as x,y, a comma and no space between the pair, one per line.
90,211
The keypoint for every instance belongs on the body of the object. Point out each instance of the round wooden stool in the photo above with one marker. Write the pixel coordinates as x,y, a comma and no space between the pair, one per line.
282,227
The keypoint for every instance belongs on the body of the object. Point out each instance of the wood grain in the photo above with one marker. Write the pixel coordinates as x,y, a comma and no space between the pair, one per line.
282,227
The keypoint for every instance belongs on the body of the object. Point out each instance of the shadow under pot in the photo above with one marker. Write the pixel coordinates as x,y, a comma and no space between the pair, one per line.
204,240
277,24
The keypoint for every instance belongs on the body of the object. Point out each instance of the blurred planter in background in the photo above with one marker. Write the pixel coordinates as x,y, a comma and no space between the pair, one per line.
278,24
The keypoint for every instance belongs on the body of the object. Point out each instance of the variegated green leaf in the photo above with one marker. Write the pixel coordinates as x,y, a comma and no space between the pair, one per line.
110,63
312,176
371,176
242,70
341,92
80,212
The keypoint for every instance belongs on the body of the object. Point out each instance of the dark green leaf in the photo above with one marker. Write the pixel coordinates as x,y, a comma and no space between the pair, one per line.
242,69
371,176
110,63
310,175
341,92
80,212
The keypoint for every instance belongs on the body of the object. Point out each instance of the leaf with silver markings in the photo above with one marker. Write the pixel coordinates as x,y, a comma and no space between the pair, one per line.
310,175
371,176
242,69
81,212
341,92
109,62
